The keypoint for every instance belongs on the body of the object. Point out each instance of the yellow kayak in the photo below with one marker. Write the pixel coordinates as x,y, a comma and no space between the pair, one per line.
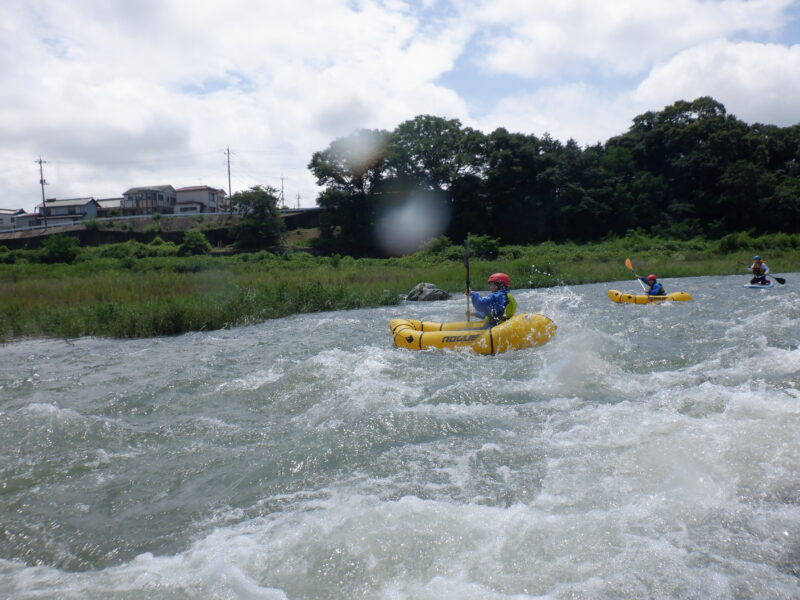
617,296
520,331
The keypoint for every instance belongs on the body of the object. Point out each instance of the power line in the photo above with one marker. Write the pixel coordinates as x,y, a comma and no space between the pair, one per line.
134,161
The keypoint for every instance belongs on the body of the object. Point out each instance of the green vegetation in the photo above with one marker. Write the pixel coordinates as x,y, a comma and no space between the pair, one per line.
261,225
143,290
686,171
194,243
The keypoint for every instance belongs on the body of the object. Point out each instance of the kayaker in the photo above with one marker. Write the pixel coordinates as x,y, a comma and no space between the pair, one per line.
499,305
759,269
654,288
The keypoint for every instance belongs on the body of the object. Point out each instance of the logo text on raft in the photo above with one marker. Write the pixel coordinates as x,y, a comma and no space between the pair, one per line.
461,338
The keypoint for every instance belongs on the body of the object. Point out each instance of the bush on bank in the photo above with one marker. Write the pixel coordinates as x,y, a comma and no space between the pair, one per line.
143,290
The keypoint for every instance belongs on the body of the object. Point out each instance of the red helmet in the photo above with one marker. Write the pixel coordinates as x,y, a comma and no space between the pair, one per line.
500,278
651,277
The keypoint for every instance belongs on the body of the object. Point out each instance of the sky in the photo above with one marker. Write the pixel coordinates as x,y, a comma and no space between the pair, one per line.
115,94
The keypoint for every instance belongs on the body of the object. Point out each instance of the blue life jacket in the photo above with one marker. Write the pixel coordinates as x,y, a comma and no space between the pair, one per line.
655,289
492,307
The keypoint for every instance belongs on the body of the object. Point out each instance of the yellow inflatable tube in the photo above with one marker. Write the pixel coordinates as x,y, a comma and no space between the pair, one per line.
617,296
520,331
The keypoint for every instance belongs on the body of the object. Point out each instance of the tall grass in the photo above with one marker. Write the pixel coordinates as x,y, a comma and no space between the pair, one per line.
127,291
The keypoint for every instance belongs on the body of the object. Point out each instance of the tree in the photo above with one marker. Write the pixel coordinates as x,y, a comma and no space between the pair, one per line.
354,163
261,225
442,163
434,152
350,169
194,243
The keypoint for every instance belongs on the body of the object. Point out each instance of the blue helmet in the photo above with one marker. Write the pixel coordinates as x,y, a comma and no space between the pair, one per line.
756,257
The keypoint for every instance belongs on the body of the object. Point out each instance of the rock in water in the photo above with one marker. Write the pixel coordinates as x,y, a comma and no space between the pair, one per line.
427,291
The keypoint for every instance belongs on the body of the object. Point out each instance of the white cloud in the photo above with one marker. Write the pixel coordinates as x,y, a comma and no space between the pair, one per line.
624,37
756,82
121,94
576,111
116,93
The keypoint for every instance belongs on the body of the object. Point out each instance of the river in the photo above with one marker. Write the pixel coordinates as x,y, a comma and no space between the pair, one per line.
646,451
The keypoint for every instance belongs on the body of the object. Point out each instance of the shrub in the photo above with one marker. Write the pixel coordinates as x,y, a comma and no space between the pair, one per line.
435,245
453,253
59,248
128,249
194,243
512,252
484,247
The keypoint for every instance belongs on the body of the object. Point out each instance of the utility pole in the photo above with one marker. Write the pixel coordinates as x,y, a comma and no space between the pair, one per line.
283,200
43,183
230,203
298,199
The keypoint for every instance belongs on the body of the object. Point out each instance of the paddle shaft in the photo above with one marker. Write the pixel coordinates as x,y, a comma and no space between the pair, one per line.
466,265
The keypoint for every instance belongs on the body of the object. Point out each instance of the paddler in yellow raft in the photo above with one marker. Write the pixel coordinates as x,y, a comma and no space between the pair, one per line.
654,288
502,328
500,305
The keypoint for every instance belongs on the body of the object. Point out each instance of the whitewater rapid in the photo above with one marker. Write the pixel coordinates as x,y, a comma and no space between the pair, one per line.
643,452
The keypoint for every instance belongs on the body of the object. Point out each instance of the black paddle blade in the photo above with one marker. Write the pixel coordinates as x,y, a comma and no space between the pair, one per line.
780,280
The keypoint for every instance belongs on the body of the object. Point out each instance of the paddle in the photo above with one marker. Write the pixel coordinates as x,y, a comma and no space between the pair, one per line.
629,264
466,264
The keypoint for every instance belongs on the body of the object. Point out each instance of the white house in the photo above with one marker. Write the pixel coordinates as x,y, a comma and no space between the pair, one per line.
8,217
198,199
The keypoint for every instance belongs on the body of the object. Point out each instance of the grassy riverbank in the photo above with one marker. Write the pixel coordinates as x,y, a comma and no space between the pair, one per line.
137,290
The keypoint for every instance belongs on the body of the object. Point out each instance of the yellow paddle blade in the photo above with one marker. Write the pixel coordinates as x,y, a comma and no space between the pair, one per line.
629,264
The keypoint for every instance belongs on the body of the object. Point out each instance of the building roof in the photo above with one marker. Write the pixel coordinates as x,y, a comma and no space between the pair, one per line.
110,202
11,211
149,188
69,202
198,188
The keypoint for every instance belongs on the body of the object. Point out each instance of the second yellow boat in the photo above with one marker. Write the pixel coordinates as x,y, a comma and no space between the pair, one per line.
617,296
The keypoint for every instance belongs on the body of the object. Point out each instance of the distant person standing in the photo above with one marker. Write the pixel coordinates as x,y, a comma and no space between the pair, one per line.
653,287
759,269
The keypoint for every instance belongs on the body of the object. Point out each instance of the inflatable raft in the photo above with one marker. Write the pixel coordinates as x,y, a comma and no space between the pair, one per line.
520,331
617,296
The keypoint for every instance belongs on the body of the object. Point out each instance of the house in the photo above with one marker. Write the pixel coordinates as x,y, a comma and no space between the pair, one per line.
149,200
68,212
199,199
29,220
110,207
8,217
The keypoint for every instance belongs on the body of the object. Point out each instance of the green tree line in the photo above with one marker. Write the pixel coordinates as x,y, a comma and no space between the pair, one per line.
689,170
